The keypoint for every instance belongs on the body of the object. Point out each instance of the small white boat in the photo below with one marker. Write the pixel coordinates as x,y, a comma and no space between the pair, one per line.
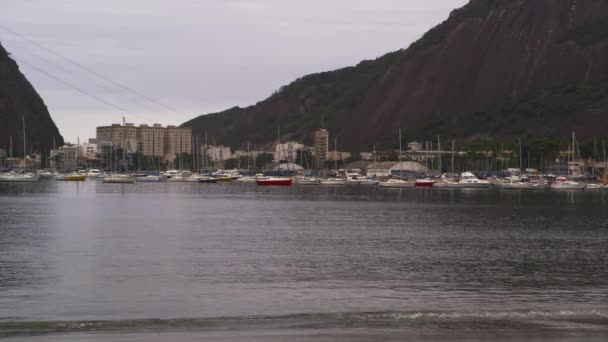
119,179
19,178
516,183
563,183
397,184
250,179
596,187
71,177
308,181
46,173
445,184
148,178
333,181
469,181
274,181
368,181
94,173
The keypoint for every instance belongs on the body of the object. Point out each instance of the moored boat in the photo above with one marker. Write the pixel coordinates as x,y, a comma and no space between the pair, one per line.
71,177
308,181
397,184
119,179
274,181
563,183
425,183
19,178
469,181
333,181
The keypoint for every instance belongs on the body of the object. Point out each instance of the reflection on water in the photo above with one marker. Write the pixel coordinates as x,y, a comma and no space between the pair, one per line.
125,253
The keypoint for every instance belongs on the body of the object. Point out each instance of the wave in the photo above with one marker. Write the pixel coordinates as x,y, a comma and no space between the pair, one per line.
298,321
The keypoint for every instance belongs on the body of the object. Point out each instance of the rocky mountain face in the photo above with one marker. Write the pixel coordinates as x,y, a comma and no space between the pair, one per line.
493,70
18,101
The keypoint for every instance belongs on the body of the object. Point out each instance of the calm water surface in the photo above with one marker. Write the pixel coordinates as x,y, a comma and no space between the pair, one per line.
233,262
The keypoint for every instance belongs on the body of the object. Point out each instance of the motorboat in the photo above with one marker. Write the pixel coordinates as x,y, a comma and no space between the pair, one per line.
250,179
447,184
469,181
119,179
368,181
397,184
46,173
207,179
145,178
94,173
425,183
563,183
308,181
333,181
19,177
71,177
232,174
596,187
274,181
517,183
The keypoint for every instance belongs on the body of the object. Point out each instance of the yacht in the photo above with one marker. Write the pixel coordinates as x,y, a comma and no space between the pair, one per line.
119,179
517,183
274,181
18,177
145,178
469,181
71,177
94,173
333,181
250,179
308,181
563,183
397,184
46,173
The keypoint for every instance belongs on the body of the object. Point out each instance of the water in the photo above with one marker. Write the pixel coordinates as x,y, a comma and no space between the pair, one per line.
234,262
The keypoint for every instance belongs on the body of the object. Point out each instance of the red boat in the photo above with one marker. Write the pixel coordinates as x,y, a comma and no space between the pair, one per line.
274,181
425,183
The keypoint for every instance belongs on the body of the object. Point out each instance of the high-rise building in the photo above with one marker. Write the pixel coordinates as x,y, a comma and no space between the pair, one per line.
151,140
177,140
321,147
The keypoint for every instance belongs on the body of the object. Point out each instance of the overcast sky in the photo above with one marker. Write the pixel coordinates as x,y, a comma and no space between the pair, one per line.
193,56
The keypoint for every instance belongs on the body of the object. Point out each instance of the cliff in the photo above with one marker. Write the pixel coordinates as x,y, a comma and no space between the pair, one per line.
18,99
494,68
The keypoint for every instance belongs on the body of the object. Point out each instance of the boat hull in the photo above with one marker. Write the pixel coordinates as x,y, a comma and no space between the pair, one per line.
119,180
391,185
425,183
79,178
572,187
274,182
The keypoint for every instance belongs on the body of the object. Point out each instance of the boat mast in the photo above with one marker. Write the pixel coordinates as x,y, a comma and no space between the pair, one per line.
336,154
439,166
124,152
10,150
520,156
604,150
24,150
400,154
453,171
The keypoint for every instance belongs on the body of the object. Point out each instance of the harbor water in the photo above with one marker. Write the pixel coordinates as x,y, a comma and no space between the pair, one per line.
235,262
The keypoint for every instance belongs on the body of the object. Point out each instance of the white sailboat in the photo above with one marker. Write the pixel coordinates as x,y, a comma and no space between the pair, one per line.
566,183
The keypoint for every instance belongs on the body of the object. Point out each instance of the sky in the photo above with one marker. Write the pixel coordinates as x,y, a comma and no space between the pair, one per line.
167,61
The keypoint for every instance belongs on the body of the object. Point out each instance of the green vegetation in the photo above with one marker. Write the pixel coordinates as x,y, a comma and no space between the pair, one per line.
586,35
540,113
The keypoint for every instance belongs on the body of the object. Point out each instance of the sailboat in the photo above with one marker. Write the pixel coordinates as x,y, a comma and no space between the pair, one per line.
397,183
24,177
275,180
121,178
566,183
516,182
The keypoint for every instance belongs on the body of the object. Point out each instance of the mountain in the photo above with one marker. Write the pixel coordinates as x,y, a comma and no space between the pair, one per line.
18,100
494,69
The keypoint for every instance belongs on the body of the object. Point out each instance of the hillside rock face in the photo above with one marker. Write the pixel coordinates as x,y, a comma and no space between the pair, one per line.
18,99
485,54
